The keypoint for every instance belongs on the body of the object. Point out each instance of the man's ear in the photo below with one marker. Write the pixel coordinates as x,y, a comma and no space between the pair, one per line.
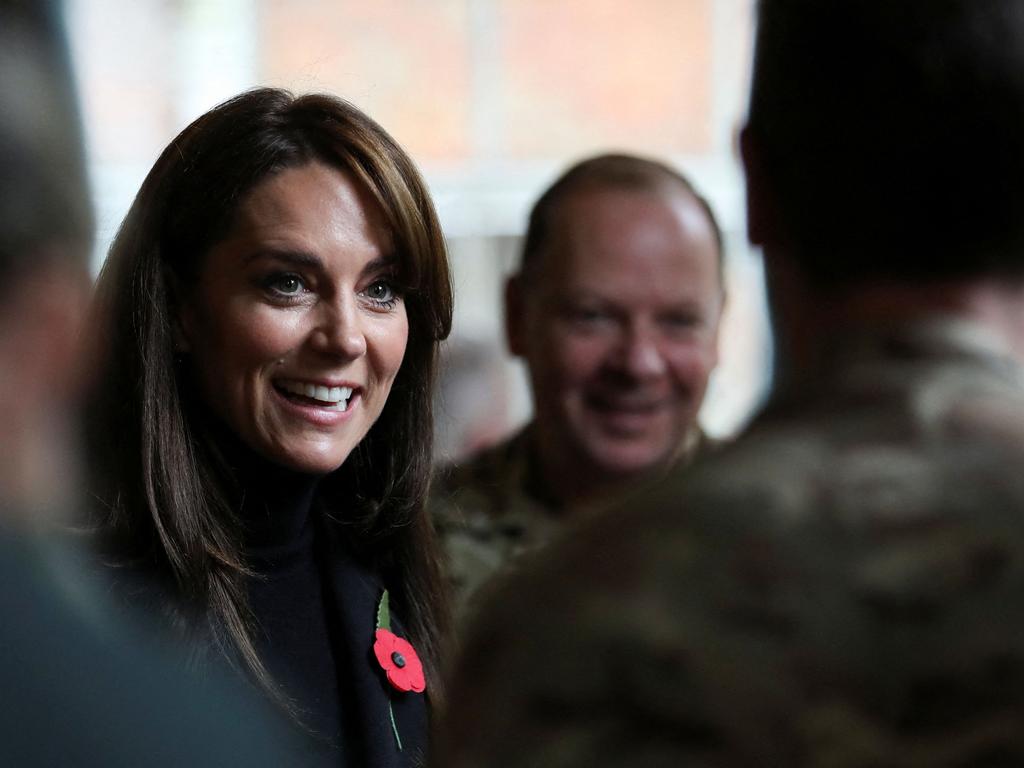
716,335
41,349
43,375
760,210
515,301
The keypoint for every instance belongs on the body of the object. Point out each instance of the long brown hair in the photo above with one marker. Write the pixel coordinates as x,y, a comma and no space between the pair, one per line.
162,498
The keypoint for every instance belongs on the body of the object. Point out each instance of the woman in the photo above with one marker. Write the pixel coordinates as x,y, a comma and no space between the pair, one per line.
261,431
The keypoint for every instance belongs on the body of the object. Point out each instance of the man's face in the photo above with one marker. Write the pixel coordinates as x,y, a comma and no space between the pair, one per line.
618,326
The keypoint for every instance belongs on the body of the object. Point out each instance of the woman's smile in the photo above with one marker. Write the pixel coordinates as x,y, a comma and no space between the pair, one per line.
322,404
318,395
296,328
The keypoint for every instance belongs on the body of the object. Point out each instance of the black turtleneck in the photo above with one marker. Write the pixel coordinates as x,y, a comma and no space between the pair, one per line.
297,631
315,605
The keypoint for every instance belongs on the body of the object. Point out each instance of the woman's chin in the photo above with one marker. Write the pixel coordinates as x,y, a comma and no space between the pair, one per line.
309,462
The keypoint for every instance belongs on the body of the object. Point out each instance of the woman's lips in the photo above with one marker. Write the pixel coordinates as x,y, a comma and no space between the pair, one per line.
311,393
326,406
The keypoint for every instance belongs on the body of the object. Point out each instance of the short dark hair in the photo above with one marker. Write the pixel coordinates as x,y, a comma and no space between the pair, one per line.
44,203
891,135
615,171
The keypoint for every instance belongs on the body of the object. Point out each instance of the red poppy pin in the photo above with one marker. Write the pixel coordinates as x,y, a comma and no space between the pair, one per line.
400,662
397,658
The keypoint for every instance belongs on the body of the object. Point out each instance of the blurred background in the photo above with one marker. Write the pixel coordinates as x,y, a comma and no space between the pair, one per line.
492,98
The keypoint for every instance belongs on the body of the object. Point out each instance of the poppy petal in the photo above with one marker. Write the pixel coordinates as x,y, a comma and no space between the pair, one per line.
408,677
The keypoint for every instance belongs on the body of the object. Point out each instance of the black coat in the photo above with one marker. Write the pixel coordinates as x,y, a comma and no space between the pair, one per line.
356,592
275,508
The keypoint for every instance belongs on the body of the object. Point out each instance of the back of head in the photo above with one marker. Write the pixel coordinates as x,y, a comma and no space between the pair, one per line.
888,135
44,208
609,171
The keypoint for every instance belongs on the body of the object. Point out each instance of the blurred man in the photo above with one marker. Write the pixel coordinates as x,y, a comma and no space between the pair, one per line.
45,233
75,687
615,312
843,586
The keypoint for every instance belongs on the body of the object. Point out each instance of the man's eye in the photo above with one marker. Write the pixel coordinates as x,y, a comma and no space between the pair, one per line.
587,316
681,320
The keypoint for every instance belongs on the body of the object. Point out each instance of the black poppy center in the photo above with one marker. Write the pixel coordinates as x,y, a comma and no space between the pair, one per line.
399,659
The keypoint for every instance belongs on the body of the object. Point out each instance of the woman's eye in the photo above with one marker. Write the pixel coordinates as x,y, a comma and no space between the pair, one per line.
380,292
286,284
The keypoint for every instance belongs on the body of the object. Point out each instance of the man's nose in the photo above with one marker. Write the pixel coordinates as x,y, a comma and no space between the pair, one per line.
641,355
339,330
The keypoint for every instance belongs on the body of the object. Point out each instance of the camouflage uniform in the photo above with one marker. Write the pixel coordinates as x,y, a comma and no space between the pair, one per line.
494,508
843,587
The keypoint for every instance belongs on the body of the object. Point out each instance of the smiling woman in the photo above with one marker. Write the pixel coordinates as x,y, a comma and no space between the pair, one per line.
296,327
260,433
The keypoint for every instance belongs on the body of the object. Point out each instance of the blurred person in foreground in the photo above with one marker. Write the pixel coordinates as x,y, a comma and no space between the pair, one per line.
260,435
615,311
76,687
844,585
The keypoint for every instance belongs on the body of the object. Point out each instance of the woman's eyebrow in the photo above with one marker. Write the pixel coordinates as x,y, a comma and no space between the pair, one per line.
387,261
312,261
295,258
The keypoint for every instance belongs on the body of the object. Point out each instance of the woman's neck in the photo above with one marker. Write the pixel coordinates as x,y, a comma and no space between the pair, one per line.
273,503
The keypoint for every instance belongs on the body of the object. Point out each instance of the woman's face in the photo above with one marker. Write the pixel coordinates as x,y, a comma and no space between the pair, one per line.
295,327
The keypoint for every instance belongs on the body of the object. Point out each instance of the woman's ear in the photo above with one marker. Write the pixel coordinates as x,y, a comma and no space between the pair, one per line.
182,314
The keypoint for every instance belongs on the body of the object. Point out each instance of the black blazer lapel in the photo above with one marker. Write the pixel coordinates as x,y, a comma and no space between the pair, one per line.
356,591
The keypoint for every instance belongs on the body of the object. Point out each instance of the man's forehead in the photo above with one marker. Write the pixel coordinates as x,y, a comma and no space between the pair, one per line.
623,230
579,200
628,285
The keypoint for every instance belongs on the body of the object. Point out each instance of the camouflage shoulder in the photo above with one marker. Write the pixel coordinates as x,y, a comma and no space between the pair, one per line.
476,484
707,619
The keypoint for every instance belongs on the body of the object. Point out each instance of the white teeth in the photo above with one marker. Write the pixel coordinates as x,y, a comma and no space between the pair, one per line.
335,397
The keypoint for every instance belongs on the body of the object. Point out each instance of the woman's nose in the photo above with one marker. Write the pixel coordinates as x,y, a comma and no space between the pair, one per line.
339,331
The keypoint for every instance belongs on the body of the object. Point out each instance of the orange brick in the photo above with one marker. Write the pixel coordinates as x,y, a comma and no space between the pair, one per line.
405,62
583,74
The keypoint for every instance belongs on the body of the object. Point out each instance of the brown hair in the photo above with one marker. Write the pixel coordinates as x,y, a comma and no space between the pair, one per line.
163,497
